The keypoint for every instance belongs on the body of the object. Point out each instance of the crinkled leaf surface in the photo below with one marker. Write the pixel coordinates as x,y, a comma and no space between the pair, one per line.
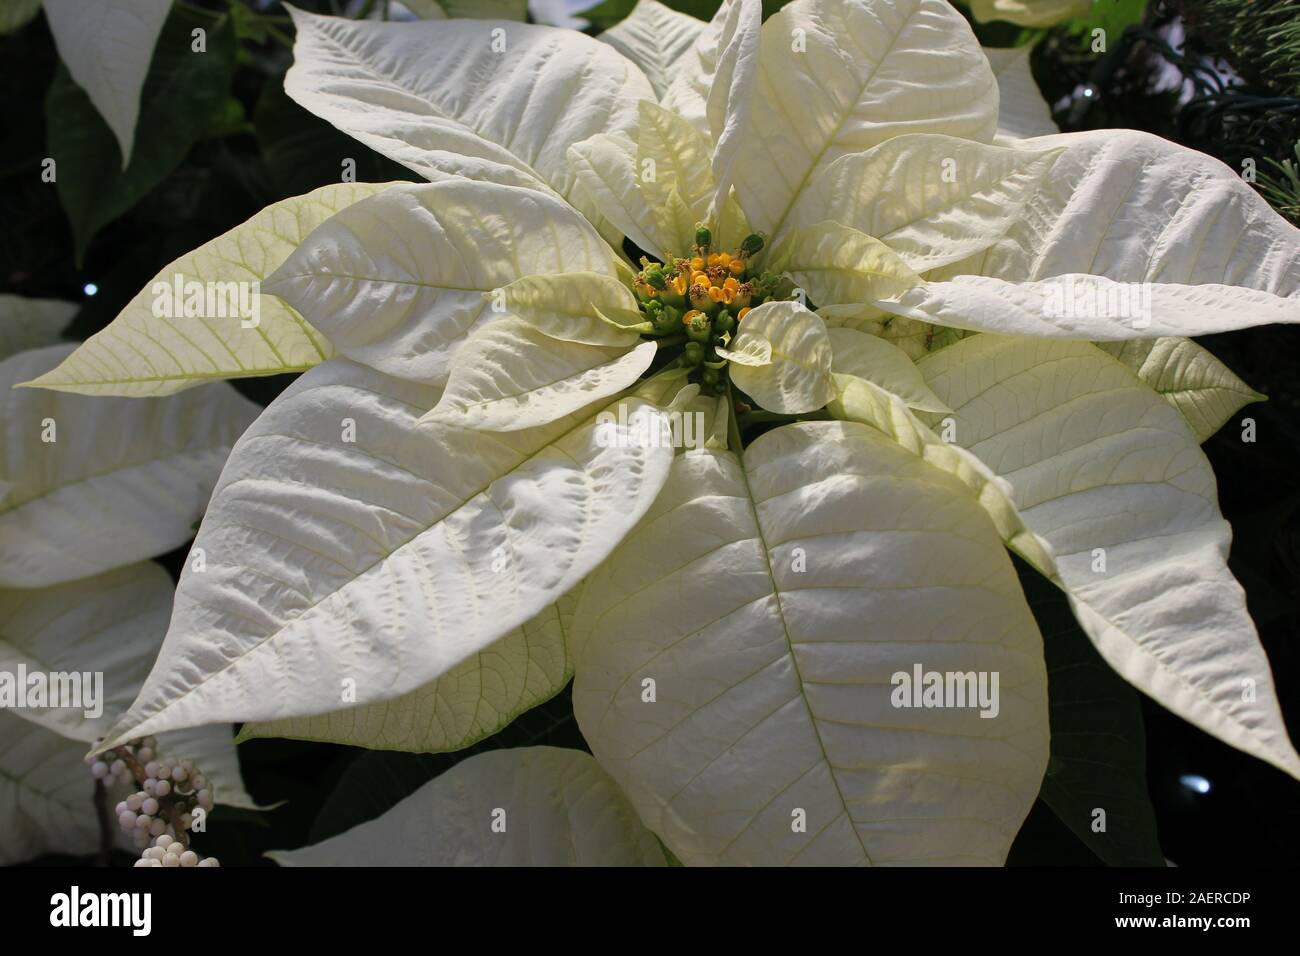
471,701
1189,377
122,479
396,280
112,623
514,93
510,375
581,307
1137,208
933,199
141,353
1113,479
347,549
1090,307
872,358
839,265
797,376
558,807
654,37
770,599
605,167
840,76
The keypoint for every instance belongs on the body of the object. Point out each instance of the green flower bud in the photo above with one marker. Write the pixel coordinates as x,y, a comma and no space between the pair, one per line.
703,237
654,278
752,245
699,328
693,353
725,322
710,376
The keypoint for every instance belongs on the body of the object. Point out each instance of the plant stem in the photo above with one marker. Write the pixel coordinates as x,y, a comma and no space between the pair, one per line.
105,824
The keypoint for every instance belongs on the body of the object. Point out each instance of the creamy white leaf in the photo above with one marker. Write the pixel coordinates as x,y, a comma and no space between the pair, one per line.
730,103
870,357
933,199
111,624
118,480
515,93
673,157
397,280
471,701
107,46
655,38
688,91
154,348
349,551
46,793
1090,307
605,167
32,323
1022,111
575,306
1188,377
838,265
772,600
859,400
1133,207
840,76
510,375
797,377
558,808
1112,478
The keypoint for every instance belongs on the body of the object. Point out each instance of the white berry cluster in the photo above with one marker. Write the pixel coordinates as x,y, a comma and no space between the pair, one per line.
112,774
168,852
158,815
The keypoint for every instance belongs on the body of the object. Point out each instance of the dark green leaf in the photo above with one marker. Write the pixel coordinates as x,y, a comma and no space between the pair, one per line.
610,12
1098,756
16,13
378,779
184,94
485,9
303,152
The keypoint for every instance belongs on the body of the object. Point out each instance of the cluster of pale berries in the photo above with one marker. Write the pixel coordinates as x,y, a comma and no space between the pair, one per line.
158,815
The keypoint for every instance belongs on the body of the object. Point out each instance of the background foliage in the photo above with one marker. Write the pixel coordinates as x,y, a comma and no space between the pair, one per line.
218,139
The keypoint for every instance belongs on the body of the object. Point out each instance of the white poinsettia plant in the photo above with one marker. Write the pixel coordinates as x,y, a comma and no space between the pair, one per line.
893,325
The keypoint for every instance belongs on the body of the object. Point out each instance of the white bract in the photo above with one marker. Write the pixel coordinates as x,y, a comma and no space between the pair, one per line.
107,46
835,198
113,624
